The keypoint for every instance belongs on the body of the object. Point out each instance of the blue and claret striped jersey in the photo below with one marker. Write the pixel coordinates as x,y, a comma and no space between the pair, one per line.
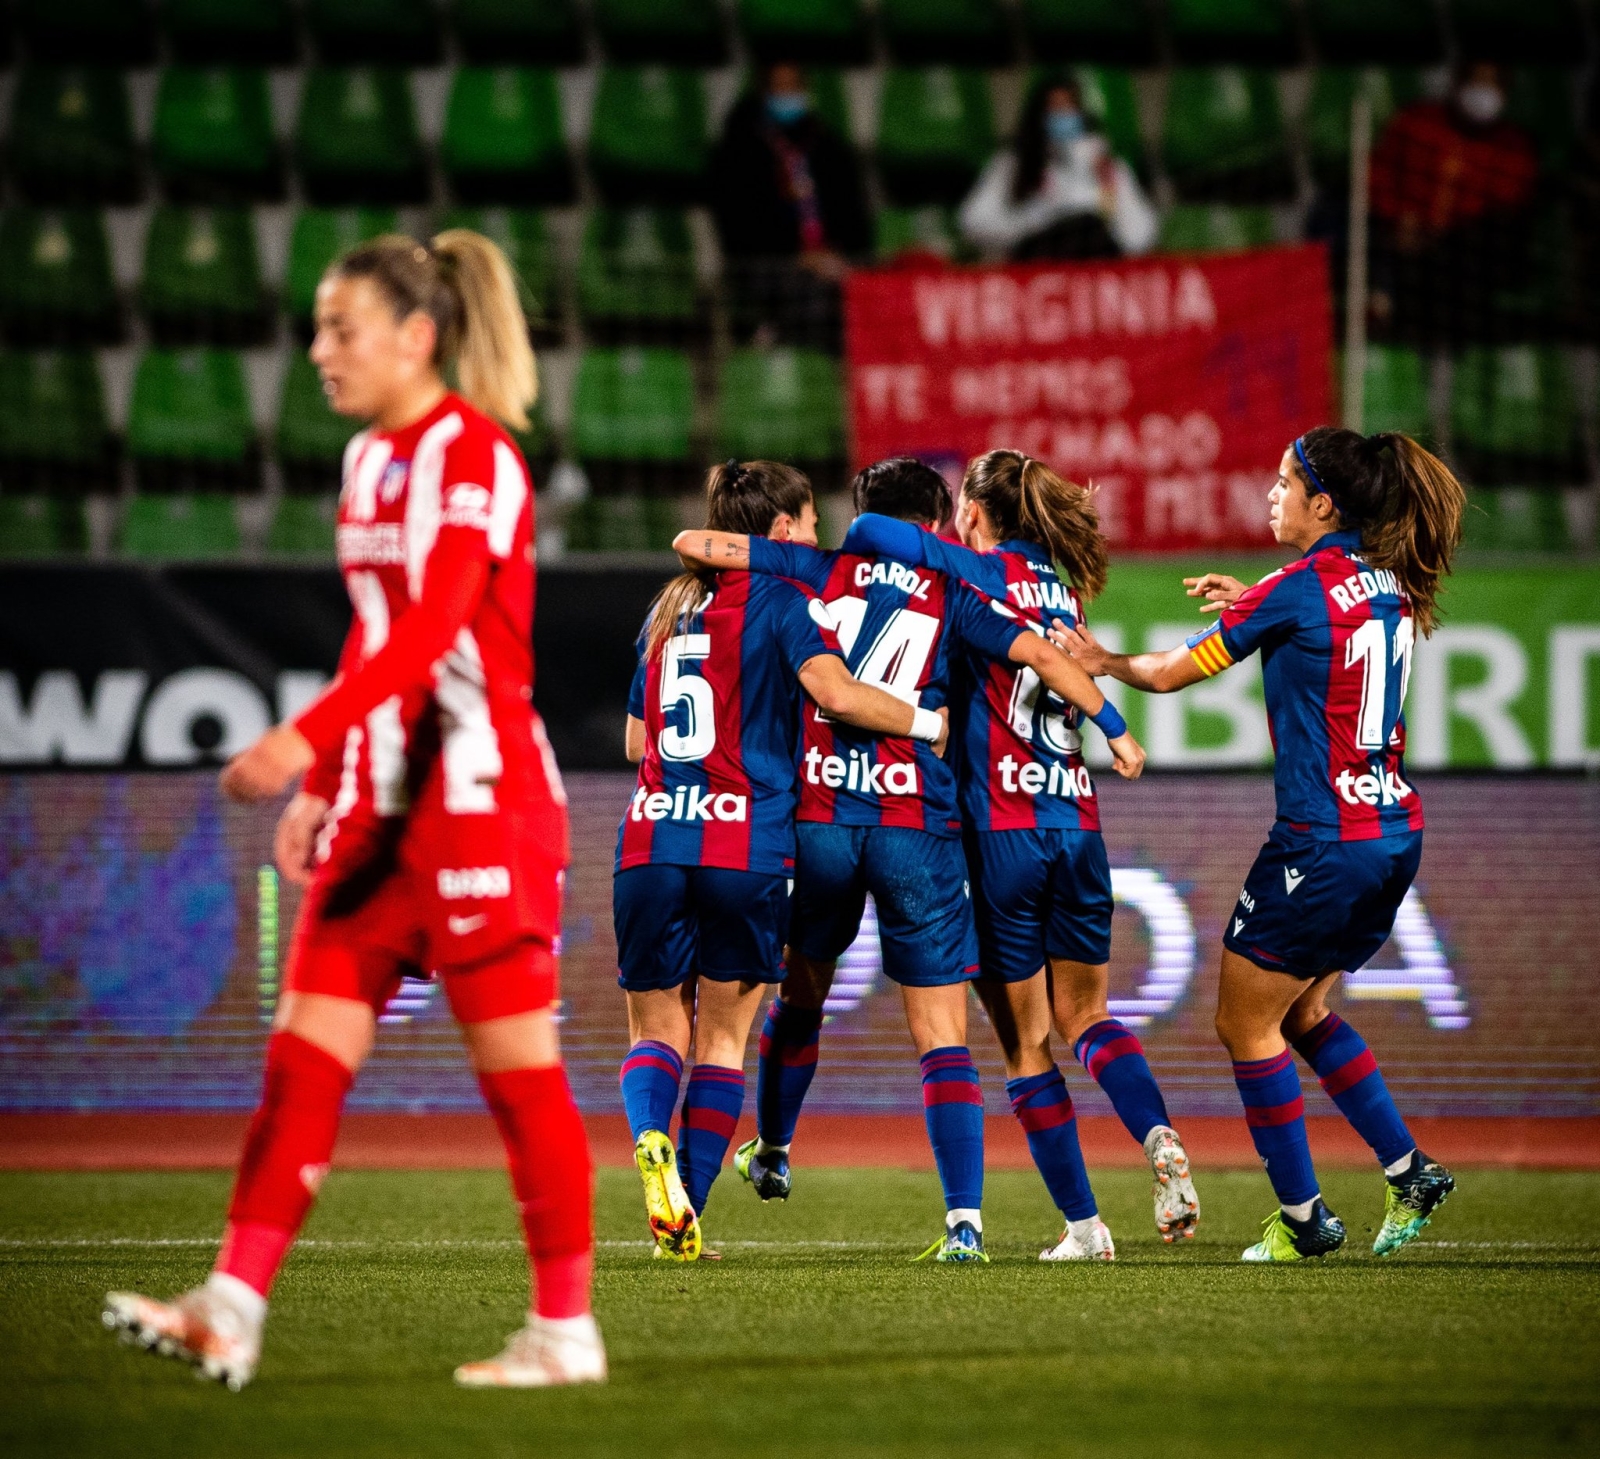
1021,746
721,710
898,627
1335,637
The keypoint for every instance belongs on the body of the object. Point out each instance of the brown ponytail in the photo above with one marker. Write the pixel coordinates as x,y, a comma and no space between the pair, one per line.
1406,503
743,497
1026,499
463,283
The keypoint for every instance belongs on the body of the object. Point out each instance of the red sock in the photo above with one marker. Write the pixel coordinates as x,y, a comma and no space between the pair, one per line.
286,1154
553,1177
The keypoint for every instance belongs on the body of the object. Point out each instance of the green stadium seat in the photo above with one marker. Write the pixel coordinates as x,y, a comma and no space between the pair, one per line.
87,32
1327,119
310,438
41,526
935,133
781,405
630,523
374,32
53,432
808,32
945,32
1515,519
1233,32
636,276
1113,32
202,278
303,526
180,524
909,234
647,140
319,236
1541,100
189,426
632,407
1223,137
502,138
1514,416
357,139
224,32
1394,394
55,278
1109,97
518,32
1548,32
72,137
661,32
525,239
1368,32
1216,228
213,137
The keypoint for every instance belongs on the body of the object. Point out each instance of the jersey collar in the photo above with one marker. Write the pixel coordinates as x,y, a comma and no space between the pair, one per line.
1349,540
1021,548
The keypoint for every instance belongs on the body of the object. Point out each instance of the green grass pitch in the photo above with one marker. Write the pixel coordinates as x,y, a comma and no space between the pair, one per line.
816,1334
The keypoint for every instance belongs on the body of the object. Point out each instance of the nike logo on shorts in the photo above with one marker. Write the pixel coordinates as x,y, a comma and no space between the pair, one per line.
461,926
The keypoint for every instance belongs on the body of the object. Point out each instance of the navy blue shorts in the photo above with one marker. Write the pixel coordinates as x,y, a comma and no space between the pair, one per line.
1039,894
675,921
918,882
1313,907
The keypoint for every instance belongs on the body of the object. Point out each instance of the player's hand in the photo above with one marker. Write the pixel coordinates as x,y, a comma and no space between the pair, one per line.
1082,645
268,767
1217,588
294,847
1127,756
942,744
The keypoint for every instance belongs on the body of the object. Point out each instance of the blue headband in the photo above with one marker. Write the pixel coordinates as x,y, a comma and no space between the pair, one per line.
1316,481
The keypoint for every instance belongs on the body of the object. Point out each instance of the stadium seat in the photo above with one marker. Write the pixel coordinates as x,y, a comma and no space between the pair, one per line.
935,132
1223,138
213,137
189,427
53,432
1548,32
1327,119
310,437
224,32
647,141
525,240
630,523
1515,519
180,524
41,526
945,32
55,279
633,420
1109,97
917,234
357,139
1215,228
518,32
319,236
303,525
1368,32
636,276
781,405
1112,32
661,32
1233,32
87,32
374,32
809,32
1394,394
1541,100
502,138
1514,416
202,278
72,137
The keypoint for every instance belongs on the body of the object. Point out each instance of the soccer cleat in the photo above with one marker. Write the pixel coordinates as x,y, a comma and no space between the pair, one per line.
1096,1246
961,1242
1286,1239
768,1173
673,1222
200,1328
542,1354
1177,1206
1410,1201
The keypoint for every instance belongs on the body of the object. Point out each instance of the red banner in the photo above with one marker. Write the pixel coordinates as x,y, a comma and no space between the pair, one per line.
1173,384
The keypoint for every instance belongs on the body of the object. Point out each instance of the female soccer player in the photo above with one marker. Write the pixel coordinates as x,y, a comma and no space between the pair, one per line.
1376,520
430,830
1041,882
706,849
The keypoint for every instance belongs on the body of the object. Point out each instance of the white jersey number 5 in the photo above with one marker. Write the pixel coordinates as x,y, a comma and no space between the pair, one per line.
677,687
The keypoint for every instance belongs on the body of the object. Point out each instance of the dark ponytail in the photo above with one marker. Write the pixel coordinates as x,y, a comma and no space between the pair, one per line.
1025,498
1406,503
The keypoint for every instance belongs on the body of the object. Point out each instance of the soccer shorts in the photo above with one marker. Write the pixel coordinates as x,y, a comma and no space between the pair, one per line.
674,922
918,883
1312,907
1037,894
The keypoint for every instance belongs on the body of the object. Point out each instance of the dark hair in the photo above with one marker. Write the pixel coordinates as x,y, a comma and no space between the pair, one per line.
743,497
1026,499
1406,503
1031,146
903,487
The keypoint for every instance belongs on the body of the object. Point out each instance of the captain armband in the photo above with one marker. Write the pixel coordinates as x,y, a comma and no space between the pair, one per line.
1210,653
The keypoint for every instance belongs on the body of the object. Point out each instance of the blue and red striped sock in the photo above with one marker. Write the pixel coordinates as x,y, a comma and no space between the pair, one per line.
788,1061
1115,1060
711,1106
1347,1071
952,1104
650,1076
1044,1109
1276,1114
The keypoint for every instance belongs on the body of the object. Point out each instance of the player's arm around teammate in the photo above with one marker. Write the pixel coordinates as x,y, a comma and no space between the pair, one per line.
1376,520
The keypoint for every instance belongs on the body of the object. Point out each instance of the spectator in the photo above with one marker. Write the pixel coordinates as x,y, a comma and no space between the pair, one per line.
1059,191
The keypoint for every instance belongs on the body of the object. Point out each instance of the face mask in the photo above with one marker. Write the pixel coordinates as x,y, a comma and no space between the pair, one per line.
787,107
1480,102
1063,127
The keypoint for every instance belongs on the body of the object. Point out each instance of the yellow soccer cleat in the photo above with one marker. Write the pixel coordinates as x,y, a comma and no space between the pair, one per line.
673,1222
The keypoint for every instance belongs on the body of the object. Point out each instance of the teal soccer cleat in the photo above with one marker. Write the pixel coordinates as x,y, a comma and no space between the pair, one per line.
767,1173
1285,1239
1410,1201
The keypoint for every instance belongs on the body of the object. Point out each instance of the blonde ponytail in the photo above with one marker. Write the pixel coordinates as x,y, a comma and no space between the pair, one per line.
1025,498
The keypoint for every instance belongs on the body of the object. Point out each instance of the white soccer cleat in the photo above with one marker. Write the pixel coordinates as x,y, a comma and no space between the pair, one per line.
543,1353
1177,1205
1093,1245
201,1328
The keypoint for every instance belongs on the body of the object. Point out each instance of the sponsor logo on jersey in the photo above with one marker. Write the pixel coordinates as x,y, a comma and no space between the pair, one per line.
859,773
1034,779
895,575
1368,583
1292,877
372,544
1385,789
393,481
461,926
687,803
1238,925
458,883
468,506
1246,900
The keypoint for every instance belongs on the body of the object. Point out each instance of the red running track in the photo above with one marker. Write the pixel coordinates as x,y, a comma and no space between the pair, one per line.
157,1141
